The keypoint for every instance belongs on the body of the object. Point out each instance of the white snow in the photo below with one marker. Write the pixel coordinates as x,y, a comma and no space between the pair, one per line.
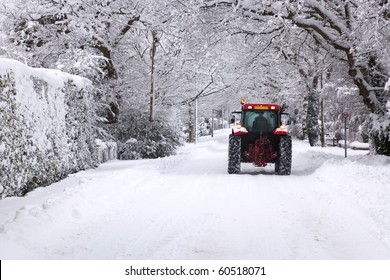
43,110
56,78
387,85
2,148
359,145
188,207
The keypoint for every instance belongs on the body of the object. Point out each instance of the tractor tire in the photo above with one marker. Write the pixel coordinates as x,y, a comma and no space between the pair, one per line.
277,167
234,160
283,164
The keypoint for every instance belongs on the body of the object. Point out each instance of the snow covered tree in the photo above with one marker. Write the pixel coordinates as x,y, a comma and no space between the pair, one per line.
156,55
122,46
353,31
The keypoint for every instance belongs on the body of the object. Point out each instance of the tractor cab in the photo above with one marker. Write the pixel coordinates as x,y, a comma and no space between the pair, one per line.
260,119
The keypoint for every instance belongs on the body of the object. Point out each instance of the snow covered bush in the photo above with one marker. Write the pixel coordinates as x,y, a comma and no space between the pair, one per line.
47,133
106,150
139,138
377,128
296,130
203,126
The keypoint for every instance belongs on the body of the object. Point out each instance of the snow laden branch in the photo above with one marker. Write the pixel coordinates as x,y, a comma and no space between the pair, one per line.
327,15
208,89
336,30
130,23
326,20
326,34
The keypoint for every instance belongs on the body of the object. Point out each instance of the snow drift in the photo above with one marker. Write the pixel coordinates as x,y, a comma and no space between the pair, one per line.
46,128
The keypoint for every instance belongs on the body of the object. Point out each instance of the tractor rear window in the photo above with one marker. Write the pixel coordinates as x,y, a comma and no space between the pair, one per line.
265,121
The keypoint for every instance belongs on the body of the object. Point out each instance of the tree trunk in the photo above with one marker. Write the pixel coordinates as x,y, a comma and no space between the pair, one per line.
191,126
322,115
109,65
313,113
370,80
152,56
323,144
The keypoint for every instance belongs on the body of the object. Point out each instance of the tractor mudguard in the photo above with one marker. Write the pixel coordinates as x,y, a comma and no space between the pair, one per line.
239,130
281,131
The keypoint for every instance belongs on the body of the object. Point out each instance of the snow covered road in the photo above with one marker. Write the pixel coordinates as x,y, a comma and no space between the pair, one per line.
188,207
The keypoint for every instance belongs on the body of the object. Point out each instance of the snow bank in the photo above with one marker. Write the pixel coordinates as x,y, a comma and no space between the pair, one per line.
356,145
341,143
46,126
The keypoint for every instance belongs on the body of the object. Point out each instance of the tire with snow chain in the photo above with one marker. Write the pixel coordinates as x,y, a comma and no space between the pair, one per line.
234,160
283,164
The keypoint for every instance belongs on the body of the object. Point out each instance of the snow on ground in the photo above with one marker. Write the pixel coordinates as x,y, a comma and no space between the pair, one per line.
188,207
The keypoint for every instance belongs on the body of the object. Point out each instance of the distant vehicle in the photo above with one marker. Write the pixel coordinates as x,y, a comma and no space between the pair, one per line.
260,138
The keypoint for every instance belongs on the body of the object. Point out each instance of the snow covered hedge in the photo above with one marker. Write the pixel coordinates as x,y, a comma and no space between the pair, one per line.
46,127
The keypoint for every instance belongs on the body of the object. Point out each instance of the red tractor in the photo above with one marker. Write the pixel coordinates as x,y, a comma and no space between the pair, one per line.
260,138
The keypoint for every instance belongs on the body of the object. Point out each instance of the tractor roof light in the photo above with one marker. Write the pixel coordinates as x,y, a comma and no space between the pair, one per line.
242,101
